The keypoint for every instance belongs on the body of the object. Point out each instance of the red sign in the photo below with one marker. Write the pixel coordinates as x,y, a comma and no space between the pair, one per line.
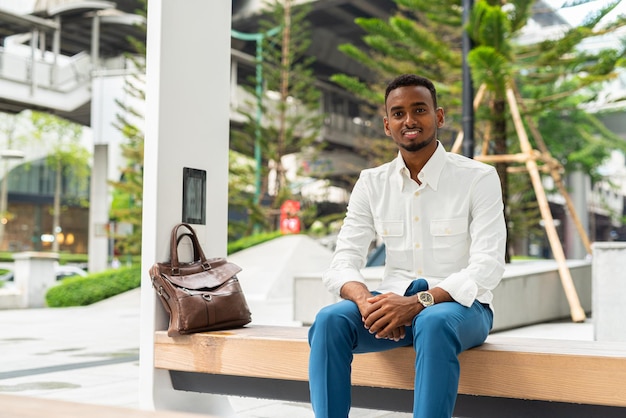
289,221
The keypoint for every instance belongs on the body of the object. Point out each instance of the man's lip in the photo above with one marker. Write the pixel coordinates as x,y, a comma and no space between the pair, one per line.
411,132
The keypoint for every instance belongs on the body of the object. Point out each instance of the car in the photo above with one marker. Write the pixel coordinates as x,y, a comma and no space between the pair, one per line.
68,270
7,276
60,271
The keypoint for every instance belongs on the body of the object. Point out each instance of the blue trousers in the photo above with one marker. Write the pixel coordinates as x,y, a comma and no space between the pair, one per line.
438,334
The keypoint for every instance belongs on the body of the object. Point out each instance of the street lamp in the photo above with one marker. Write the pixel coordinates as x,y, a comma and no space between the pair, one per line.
5,156
468,88
258,38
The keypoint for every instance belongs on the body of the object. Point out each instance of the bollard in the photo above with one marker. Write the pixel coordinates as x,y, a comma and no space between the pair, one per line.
608,272
34,275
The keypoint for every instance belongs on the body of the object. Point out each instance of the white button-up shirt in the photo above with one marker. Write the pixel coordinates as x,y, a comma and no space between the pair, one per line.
448,230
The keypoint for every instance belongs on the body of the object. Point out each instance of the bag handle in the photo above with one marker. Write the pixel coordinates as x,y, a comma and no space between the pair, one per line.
198,254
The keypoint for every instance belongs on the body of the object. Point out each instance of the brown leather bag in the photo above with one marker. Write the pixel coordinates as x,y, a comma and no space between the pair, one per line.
201,295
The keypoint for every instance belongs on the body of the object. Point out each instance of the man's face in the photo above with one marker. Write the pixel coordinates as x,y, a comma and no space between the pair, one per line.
412,120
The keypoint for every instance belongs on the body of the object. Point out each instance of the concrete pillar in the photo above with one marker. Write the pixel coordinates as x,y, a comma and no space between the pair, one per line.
609,291
34,275
95,42
578,183
99,210
107,87
187,125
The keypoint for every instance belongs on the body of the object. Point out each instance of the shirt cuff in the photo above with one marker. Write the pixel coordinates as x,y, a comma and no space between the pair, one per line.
461,289
335,279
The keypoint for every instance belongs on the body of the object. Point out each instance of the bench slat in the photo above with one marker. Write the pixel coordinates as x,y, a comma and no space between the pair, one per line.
240,352
587,372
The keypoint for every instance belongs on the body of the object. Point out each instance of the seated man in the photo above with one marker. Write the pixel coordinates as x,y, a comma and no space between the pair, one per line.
441,218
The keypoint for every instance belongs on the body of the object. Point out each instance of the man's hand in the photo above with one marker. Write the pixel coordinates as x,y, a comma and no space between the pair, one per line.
388,314
359,294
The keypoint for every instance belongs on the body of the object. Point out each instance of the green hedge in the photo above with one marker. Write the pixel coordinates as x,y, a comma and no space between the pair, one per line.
250,241
81,291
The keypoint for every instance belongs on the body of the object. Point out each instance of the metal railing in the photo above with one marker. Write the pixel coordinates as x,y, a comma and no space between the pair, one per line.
66,75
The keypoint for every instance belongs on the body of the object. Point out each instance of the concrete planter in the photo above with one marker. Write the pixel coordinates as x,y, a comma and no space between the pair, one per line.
530,293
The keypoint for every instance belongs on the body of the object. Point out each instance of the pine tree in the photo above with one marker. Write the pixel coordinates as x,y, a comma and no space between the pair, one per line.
555,76
126,206
291,121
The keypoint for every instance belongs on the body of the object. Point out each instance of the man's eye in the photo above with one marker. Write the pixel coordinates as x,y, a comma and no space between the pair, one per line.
397,114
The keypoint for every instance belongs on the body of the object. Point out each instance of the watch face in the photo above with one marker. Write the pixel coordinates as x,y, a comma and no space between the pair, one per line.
426,298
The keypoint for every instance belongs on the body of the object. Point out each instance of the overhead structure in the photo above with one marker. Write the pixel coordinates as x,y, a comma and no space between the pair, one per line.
68,40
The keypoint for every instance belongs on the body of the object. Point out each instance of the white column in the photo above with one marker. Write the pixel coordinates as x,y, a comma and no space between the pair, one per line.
608,291
95,42
99,208
187,123
33,58
56,51
106,89
578,184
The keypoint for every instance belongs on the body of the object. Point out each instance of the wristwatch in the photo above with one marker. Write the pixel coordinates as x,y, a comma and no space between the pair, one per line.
426,299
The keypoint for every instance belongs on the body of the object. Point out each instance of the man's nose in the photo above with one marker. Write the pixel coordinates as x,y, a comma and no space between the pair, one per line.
409,120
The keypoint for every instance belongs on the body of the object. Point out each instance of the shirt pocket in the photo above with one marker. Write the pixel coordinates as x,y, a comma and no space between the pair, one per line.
449,239
393,235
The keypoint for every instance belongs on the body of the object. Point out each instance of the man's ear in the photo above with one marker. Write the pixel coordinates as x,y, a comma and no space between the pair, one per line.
441,118
386,126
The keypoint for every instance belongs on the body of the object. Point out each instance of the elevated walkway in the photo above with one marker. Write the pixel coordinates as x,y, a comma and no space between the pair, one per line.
50,57
42,85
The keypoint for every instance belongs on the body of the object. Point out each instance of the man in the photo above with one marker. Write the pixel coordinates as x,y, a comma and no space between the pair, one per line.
440,216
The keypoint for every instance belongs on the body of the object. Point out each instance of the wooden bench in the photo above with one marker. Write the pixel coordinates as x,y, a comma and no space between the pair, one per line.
524,377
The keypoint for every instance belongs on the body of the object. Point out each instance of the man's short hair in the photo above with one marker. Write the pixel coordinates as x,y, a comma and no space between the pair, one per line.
405,80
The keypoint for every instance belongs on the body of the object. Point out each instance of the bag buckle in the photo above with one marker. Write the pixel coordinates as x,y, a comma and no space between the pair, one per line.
206,266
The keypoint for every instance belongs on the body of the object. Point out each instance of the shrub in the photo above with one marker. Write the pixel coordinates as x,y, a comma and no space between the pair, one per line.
81,291
252,240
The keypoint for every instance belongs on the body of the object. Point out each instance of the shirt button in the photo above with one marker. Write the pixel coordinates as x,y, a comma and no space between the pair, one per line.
416,219
417,245
448,231
419,272
417,194
385,232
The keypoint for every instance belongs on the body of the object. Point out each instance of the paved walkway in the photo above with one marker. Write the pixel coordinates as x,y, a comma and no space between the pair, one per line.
90,355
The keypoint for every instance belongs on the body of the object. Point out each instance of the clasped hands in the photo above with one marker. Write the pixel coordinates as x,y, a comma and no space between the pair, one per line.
387,314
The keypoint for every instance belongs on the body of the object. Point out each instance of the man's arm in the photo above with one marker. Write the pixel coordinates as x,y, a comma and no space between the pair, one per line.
353,241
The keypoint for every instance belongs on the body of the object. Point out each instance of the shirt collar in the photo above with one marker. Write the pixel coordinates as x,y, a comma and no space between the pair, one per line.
431,171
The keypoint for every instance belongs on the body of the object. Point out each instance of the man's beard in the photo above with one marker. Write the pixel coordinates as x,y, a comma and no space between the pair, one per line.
414,147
